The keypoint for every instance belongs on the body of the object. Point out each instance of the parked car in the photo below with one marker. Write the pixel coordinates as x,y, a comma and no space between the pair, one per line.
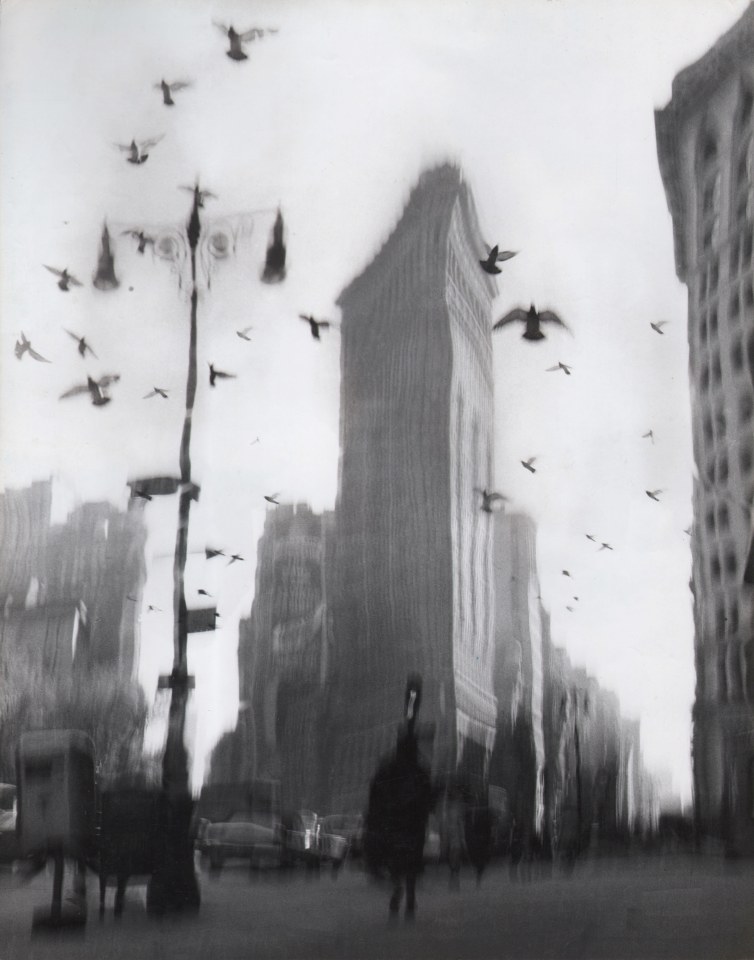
8,842
333,844
300,838
240,839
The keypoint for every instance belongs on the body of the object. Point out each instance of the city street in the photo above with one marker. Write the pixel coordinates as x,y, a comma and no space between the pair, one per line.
638,908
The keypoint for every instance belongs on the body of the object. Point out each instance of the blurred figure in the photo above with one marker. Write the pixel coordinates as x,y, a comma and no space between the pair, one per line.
400,800
516,847
479,834
454,831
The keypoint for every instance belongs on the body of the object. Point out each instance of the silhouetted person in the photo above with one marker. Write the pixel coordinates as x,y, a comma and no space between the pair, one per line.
479,827
400,800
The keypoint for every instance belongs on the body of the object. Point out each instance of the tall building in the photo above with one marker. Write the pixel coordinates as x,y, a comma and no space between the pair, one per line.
413,558
283,656
518,759
706,157
95,561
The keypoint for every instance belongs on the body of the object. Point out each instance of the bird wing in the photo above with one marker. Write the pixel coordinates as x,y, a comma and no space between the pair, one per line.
254,33
550,369
660,323
148,395
506,255
518,314
125,147
224,376
75,392
493,253
323,323
495,496
531,460
179,85
58,273
37,356
72,334
222,27
87,347
146,144
108,379
548,316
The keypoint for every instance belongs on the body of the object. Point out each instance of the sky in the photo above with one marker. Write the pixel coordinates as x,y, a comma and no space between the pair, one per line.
548,108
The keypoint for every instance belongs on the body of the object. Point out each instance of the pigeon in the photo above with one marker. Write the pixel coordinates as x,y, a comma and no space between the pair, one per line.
209,553
272,498
168,88
687,531
569,609
560,366
199,195
236,39
488,498
254,441
653,494
575,598
605,546
141,237
532,318
84,347
489,265
527,464
137,151
315,325
24,346
649,435
657,326
244,334
156,392
140,494
234,557
65,278
152,609
95,388
203,593
218,374
590,536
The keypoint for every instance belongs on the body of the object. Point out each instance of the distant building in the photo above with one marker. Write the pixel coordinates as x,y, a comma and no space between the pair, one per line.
413,562
518,760
704,142
283,661
51,640
95,559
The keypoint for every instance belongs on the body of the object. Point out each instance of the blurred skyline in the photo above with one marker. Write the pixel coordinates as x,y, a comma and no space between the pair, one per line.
547,107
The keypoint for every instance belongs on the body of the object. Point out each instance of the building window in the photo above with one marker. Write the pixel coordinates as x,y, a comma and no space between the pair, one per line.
731,564
713,318
709,521
708,429
722,469
717,373
708,187
745,407
745,459
723,517
734,305
737,353
720,621
714,570
704,379
733,619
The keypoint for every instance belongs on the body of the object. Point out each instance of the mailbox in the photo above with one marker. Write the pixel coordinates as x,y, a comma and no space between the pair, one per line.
56,792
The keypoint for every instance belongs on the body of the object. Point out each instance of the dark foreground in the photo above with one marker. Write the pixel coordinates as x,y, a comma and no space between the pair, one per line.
639,908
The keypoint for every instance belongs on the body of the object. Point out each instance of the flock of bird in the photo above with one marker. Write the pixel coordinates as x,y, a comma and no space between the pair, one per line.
532,319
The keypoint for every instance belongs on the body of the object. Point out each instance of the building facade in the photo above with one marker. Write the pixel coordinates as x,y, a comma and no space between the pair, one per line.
706,156
413,590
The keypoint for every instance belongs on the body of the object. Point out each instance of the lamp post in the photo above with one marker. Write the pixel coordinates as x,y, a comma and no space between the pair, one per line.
173,885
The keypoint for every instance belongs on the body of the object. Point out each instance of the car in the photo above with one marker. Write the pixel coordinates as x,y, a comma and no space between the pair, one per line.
238,839
432,841
300,838
9,850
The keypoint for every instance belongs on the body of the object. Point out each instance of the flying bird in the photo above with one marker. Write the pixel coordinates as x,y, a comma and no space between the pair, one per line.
687,531
532,318
156,392
95,388
488,498
65,278
237,39
137,152
218,374
590,536
653,494
24,346
575,598
657,326
233,558
200,195
315,325
168,88
272,498
84,347
605,546
140,494
203,593
490,264
254,441
569,609
152,609
560,366
244,334
649,435
142,237
566,574
527,464
209,553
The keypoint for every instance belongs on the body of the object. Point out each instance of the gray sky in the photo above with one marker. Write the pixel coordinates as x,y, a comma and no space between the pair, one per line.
547,105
